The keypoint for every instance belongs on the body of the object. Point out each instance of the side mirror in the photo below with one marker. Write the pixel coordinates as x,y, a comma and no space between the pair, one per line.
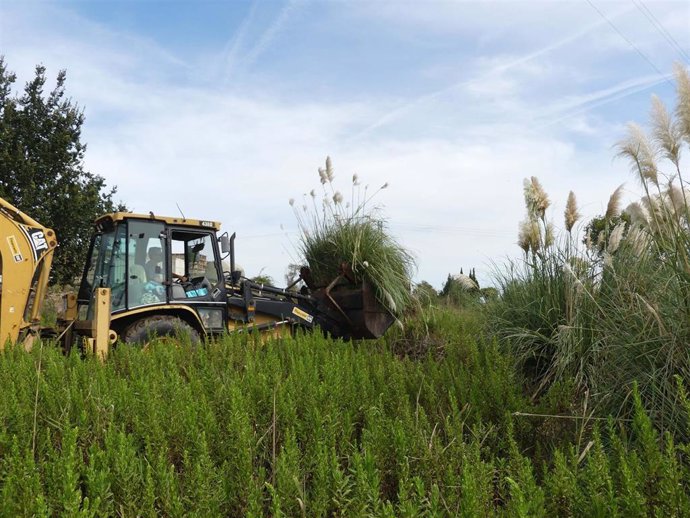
225,244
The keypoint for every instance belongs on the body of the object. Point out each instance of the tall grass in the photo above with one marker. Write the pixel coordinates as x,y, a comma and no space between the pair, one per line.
616,313
310,427
334,233
547,314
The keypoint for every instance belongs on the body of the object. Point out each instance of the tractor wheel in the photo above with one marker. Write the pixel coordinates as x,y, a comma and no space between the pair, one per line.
144,331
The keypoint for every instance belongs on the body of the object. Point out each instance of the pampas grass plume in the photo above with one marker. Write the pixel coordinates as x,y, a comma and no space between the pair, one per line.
534,235
329,169
613,207
683,107
466,282
676,199
637,147
616,237
637,214
571,212
667,134
549,235
638,239
536,199
524,237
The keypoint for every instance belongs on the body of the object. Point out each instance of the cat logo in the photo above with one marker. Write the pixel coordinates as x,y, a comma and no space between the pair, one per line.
39,240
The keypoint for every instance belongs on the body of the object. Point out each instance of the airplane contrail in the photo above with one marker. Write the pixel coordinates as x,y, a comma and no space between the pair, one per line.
395,113
232,47
605,96
272,31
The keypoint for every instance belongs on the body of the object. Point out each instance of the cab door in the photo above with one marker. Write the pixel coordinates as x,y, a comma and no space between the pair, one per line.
196,276
147,268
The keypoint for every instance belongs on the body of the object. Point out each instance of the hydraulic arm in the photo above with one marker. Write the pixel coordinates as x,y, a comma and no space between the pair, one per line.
26,255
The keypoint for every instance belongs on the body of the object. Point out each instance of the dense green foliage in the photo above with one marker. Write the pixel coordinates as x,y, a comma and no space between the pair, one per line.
614,314
314,427
41,166
354,235
365,244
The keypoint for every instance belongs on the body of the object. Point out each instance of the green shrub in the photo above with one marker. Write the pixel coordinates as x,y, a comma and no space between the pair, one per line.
616,313
355,234
311,427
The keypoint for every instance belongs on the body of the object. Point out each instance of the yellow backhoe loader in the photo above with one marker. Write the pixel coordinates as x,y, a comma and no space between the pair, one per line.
148,276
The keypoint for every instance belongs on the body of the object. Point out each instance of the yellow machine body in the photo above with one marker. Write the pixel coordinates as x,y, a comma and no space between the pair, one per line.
148,276
26,255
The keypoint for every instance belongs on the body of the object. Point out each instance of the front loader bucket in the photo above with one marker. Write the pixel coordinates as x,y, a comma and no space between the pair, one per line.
357,311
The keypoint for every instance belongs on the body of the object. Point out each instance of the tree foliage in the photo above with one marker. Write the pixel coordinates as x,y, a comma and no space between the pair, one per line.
460,289
41,166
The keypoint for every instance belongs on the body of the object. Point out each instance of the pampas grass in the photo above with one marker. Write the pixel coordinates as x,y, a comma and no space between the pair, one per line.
639,149
613,206
616,315
334,232
572,214
683,106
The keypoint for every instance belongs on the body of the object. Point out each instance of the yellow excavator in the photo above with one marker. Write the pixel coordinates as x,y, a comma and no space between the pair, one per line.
148,276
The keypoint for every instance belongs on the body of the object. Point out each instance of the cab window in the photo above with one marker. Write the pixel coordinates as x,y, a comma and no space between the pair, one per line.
147,267
105,268
194,258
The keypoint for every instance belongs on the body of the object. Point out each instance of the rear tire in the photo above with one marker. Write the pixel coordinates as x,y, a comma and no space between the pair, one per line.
143,331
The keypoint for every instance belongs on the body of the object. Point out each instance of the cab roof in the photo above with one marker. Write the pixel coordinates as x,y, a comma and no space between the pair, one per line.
108,219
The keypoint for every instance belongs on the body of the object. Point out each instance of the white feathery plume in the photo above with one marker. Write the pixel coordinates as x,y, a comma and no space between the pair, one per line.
683,94
329,169
613,207
616,237
637,214
571,213
637,147
465,282
667,134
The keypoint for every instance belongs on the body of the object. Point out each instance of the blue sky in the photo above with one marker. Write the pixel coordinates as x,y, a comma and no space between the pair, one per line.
229,108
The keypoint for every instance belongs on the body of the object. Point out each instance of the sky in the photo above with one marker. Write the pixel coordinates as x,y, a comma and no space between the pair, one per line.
227,109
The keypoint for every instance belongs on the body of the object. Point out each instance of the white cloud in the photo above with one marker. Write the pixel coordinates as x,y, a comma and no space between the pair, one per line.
455,157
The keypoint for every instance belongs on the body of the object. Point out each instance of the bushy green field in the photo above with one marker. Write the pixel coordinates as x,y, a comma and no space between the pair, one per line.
314,427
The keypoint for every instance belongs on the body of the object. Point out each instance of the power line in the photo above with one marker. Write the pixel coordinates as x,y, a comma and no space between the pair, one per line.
411,227
662,30
632,45
439,229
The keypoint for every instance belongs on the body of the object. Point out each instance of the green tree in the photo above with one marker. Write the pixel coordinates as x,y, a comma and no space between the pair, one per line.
599,229
460,290
41,166
262,278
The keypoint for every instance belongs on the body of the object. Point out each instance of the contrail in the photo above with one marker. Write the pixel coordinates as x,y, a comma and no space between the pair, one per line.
269,34
393,114
605,96
232,47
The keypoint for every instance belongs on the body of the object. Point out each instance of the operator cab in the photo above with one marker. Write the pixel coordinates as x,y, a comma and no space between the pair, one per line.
152,263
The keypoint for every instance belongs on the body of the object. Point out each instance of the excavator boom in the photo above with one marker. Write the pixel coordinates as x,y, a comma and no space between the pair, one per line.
26,255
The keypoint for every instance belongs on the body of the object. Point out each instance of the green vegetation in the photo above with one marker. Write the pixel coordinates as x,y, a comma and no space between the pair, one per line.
354,234
614,314
562,393
314,427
